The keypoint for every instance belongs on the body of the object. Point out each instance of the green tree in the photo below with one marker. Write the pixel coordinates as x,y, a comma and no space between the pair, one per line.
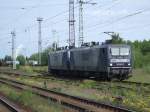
21,59
137,58
34,57
116,39
44,56
7,58
141,53
145,47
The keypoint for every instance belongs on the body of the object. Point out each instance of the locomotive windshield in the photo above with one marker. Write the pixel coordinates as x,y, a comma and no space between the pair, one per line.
120,51
114,51
124,51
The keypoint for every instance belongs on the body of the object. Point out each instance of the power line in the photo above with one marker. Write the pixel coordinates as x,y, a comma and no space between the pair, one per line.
31,6
29,9
134,27
50,18
115,3
89,27
119,19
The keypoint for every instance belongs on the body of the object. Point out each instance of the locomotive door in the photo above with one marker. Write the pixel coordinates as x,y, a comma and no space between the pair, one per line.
103,59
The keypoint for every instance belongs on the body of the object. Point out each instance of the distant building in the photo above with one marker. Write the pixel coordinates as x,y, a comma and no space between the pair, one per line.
33,62
11,62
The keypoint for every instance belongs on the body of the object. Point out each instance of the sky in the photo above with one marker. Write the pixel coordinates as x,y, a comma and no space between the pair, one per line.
129,18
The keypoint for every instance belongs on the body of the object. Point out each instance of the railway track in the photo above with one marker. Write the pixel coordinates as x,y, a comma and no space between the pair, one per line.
136,83
45,75
120,85
76,103
10,106
123,82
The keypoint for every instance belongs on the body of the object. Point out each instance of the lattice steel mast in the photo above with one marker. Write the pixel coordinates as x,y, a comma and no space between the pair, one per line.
81,28
80,22
71,24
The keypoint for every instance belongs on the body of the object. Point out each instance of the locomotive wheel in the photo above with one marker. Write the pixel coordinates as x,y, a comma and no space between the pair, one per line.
122,77
109,79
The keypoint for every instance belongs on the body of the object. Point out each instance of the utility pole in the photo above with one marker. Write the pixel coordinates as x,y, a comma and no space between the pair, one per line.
39,40
71,24
13,50
55,41
81,29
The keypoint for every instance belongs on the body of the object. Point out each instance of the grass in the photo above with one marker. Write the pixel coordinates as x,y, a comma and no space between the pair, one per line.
138,75
137,100
146,69
131,99
27,69
40,68
32,69
141,75
28,99
87,84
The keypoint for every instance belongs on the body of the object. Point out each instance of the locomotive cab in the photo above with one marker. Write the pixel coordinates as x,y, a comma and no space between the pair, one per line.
119,61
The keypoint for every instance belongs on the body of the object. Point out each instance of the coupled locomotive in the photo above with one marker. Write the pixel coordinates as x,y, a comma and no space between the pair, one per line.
107,61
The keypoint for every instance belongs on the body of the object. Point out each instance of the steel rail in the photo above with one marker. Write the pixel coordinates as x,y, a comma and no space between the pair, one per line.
10,105
78,103
125,82
136,83
45,74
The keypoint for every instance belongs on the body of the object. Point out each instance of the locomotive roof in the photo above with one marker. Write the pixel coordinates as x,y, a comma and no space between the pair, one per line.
98,46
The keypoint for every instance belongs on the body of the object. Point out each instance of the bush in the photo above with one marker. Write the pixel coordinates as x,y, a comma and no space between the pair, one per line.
13,95
21,59
138,60
26,97
87,84
146,69
27,69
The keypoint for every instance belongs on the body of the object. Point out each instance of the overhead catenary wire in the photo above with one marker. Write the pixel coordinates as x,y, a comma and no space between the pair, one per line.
57,15
28,9
49,18
105,24
130,15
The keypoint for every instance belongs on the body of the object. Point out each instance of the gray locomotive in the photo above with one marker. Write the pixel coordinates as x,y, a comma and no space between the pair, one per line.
102,61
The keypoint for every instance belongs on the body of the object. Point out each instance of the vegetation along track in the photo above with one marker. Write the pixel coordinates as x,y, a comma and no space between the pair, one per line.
12,107
77,103
119,85
43,73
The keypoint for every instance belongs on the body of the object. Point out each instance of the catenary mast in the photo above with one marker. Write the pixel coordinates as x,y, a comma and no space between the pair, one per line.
39,40
71,24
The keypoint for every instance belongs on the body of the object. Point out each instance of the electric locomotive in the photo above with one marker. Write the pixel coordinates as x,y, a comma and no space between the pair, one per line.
107,61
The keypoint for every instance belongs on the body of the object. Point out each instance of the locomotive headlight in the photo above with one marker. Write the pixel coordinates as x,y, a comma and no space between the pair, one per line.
129,64
111,64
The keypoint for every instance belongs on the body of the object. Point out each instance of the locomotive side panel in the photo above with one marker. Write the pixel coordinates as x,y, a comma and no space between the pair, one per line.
84,59
58,61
